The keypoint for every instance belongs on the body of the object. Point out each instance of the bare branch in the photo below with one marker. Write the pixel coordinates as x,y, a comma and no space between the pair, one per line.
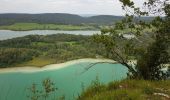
93,64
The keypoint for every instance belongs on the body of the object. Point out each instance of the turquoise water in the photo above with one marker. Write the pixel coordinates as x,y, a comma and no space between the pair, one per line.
68,80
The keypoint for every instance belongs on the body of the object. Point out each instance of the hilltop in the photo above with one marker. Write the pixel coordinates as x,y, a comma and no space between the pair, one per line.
56,18
59,18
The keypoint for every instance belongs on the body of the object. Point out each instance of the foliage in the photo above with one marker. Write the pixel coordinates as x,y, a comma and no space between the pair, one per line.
94,88
47,89
129,90
13,55
40,50
149,48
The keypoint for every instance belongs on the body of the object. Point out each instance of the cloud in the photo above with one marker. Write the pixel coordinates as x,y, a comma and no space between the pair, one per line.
61,6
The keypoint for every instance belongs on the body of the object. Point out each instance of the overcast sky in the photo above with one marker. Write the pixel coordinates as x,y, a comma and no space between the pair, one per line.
107,7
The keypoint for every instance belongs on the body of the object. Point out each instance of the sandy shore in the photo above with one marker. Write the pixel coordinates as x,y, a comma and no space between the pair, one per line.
28,69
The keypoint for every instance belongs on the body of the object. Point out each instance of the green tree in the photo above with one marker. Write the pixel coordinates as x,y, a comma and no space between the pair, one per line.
45,92
149,41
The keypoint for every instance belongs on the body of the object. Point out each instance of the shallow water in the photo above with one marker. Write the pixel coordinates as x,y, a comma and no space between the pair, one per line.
68,80
7,34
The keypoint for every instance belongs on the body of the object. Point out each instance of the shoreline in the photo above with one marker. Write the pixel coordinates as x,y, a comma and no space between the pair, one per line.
45,30
28,69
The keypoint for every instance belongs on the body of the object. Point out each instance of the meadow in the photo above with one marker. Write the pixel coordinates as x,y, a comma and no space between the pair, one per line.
36,26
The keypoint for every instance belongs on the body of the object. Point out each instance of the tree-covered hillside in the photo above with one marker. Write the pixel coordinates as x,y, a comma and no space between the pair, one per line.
59,18
40,50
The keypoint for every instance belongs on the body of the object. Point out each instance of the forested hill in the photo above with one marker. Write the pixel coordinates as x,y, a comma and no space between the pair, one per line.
56,18
41,50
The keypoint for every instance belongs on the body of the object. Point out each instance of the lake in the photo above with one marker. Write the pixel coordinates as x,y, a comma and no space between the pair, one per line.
7,34
68,80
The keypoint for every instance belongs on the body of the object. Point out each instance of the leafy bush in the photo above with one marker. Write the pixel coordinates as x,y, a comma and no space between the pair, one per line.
9,56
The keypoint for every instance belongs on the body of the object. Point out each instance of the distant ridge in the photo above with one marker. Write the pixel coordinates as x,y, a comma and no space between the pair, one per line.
56,18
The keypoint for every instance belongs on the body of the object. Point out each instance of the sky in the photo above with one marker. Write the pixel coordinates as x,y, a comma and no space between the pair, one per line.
99,7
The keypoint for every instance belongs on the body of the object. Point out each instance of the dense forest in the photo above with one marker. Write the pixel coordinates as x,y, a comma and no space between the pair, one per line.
50,48
60,18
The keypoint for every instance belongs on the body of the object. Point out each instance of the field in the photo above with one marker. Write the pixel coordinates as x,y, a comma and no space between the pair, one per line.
36,26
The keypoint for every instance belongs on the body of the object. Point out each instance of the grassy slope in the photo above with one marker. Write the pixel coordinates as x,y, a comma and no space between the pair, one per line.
36,62
35,26
128,90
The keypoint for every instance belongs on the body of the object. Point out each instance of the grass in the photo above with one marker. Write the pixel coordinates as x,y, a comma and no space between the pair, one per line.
36,26
38,62
128,90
